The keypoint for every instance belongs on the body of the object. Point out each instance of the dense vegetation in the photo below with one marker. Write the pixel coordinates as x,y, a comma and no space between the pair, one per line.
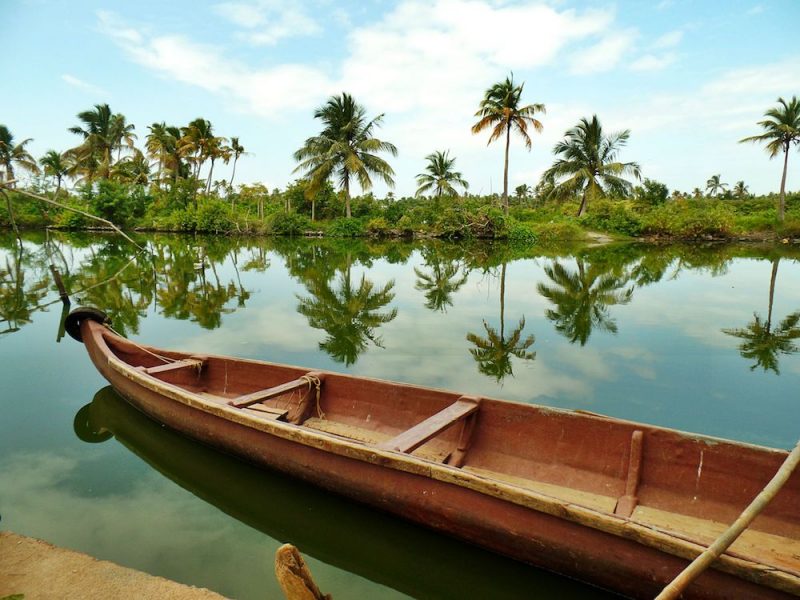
170,185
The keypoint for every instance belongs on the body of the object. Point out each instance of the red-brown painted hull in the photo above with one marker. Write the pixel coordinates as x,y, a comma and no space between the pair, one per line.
546,540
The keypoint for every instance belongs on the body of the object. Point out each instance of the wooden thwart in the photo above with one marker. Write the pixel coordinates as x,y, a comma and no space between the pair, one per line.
268,393
413,438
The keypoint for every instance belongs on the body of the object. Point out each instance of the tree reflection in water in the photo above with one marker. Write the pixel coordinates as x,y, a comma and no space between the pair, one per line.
763,343
493,351
581,298
445,278
349,314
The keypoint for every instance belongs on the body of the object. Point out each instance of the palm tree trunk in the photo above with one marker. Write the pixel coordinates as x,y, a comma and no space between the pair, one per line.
313,209
233,174
346,188
505,171
58,185
782,199
582,209
772,291
210,172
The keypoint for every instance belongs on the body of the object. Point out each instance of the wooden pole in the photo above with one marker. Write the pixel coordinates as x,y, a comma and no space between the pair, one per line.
69,208
294,577
715,550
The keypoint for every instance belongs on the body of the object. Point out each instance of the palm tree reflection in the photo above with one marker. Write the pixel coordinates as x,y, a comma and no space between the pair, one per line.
445,278
581,299
763,343
493,351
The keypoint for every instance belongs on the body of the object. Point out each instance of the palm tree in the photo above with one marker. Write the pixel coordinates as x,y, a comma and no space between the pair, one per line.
740,190
714,186
12,153
102,132
194,143
582,299
440,176
494,351
589,163
121,133
55,165
522,191
345,148
761,342
215,149
501,110
133,169
237,150
781,130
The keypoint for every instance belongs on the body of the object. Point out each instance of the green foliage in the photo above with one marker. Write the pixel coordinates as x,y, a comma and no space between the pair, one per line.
521,233
690,219
377,227
651,193
611,216
282,223
119,203
558,231
214,216
346,228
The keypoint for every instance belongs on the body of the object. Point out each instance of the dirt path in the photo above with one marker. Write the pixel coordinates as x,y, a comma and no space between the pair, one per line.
42,571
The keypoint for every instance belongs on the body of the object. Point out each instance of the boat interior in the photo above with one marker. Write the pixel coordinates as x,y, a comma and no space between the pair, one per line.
690,486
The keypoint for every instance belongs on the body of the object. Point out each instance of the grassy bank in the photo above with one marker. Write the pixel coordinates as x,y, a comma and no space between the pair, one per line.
257,210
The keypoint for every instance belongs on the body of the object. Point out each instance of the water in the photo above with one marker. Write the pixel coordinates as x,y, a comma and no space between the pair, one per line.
672,335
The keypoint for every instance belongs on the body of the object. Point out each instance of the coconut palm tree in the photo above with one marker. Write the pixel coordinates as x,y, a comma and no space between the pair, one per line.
582,298
523,191
133,169
345,148
216,149
781,130
714,186
501,110
55,165
237,150
589,165
121,133
102,132
440,176
740,190
763,343
494,351
195,141
13,153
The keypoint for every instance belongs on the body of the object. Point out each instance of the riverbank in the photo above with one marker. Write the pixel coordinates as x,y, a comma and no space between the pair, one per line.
33,569
528,221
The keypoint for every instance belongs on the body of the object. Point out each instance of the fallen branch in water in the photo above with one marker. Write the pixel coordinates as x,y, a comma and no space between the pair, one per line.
7,184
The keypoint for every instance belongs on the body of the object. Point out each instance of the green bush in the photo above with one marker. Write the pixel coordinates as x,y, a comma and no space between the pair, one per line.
377,227
282,223
690,219
611,216
214,216
558,231
346,228
521,233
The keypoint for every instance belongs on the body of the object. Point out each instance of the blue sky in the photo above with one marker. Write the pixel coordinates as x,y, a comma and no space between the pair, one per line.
688,78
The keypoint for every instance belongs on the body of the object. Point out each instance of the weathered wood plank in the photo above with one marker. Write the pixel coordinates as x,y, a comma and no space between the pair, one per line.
263,395
180,364
413,438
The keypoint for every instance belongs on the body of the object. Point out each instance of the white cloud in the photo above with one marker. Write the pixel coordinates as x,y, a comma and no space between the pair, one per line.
82,85
668,40
756,10
651,62
268,22
604,55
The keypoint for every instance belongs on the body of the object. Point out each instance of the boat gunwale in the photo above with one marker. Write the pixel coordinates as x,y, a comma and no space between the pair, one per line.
651,536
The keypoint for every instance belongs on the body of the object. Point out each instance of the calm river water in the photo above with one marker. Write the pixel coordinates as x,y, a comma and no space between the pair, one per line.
702,338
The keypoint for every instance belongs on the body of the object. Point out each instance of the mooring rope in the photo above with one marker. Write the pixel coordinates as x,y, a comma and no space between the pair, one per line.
164,359
313,380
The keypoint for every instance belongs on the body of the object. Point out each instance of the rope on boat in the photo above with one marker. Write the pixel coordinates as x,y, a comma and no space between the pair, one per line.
730,535
314,381
164,359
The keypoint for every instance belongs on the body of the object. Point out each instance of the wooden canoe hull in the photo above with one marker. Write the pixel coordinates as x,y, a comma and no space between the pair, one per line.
546,540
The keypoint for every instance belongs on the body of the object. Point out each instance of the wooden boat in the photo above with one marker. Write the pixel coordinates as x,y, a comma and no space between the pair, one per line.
369,543
618,504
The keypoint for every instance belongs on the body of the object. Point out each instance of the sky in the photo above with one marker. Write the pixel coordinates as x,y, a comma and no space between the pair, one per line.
688,78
